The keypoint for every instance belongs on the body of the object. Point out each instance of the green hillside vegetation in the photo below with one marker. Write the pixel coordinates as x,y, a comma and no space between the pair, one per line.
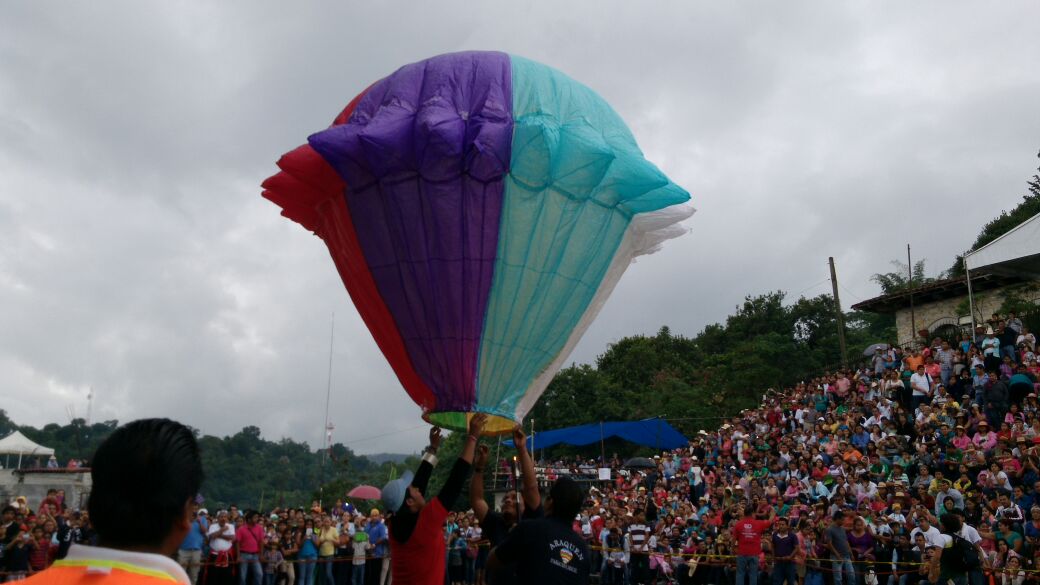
694,380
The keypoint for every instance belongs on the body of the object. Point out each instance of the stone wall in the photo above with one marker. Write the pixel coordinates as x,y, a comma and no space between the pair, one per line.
34,486
927,315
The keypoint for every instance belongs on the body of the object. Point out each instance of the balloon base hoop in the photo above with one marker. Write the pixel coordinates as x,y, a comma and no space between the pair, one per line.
459,421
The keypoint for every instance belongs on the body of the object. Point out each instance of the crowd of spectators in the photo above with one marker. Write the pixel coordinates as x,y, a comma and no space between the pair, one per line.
858,477
920,467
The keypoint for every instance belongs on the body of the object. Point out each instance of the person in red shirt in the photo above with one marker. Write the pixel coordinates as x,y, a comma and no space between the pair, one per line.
417,548
747,532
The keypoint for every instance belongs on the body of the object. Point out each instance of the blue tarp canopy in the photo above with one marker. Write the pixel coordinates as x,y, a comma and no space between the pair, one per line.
652,432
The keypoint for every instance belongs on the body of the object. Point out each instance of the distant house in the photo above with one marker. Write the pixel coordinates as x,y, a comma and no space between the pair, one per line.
941,308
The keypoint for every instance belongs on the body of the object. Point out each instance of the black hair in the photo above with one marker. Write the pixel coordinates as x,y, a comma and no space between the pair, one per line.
144,474
10,509
567,497
951,523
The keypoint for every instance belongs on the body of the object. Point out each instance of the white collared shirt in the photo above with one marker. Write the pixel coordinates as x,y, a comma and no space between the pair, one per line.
100,560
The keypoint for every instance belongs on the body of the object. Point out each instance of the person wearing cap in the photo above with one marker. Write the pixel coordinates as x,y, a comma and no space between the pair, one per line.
548,551
189,555
221,539
984,439
417,547
141,504
377,563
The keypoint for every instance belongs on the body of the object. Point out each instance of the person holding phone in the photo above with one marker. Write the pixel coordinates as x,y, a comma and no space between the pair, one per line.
308,554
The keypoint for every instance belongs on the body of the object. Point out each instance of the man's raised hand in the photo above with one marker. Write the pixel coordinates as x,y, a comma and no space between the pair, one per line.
480,458
476,424
435,438
519,438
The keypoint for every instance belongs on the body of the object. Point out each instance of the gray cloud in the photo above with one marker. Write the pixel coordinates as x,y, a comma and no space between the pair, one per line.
137,257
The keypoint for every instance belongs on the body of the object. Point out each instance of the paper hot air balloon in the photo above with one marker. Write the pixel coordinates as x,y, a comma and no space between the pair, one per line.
480,208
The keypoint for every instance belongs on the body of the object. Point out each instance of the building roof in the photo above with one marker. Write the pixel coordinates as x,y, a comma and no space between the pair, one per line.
1015,252
939,290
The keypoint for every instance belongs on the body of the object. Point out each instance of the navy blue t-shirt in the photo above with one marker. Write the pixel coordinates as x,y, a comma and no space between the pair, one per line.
546,552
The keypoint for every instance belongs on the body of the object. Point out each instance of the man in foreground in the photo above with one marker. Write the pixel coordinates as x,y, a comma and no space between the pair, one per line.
417,548
548,551
145,477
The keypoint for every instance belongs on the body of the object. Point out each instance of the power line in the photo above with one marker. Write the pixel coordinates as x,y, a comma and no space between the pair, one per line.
850,292
379,436
825,280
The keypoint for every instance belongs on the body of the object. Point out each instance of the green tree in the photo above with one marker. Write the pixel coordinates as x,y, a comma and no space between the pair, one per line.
900,280
1006,221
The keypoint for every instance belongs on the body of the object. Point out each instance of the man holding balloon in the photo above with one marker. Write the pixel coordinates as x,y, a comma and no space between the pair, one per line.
417,550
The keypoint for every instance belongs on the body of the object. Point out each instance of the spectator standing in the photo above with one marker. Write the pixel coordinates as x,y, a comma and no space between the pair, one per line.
328,538
16,556
990,350
921,385
747,532
1007,337
249,542
837,542
360,546
289,540
998,396
950,559
945,357
272,562
784,545
189,555
378,537
308,554
221,538
639,548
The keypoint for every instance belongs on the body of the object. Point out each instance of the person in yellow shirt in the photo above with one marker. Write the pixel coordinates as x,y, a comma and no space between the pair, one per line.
328,538
145,477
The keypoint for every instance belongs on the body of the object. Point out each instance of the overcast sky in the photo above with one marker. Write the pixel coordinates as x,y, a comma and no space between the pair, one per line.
138,258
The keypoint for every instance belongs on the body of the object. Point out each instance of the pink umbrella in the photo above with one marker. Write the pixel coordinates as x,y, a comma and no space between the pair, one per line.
365,492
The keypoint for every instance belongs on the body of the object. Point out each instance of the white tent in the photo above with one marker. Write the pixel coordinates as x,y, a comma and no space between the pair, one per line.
18,444
1016,253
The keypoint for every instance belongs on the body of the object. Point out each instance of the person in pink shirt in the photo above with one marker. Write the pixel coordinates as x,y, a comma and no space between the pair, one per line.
249,541
961,440
931,368
984,439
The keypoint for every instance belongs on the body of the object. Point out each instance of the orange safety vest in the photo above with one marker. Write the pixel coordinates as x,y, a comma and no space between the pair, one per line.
105,566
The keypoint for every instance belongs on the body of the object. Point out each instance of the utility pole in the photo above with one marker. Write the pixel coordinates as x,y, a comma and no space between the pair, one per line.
328,429
839,316
910,286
